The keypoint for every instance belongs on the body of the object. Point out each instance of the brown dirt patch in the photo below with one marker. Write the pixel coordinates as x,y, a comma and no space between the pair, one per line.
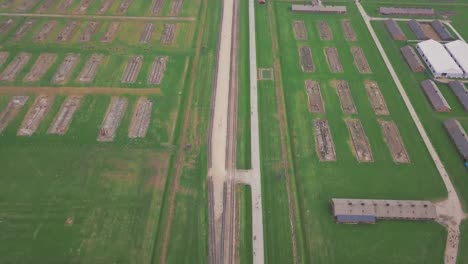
45,31
376,98
394,142
348,30
360,60
429,31
324,30
346,100
307,63
314,96
361,146
141,118
18,63
35,115
11,110
111,122
334,63
40,67
68,31
323,141
300,31
23,29
64,117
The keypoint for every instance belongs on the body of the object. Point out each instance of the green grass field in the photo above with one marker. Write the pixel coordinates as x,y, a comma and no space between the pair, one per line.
317,182
243,109
244,200
70,199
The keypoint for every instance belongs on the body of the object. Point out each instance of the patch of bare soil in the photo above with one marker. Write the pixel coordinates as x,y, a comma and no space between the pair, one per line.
346,100
11,110
133,68
18,63
23,29
307,63
333,60
325,30
348,30
145,36
45,31
35,115
300,31
394,142
40,67
360,60
141,118
111,122
66,68
376,98
168,34
64,117
90,69
314,96
323,141
111,32
361,145
429,31
158,68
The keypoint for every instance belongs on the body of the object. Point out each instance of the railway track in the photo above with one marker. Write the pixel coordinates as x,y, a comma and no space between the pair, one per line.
222,242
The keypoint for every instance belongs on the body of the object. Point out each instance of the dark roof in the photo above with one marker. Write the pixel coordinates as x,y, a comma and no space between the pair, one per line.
417,30
394,29
458,136
443,33
412,59
462,94
406,11
435,96
370,219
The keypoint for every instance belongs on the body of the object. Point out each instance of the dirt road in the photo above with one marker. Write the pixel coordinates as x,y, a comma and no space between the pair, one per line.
221,187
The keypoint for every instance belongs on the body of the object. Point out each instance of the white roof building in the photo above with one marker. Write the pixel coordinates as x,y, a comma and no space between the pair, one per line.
459,51
438,59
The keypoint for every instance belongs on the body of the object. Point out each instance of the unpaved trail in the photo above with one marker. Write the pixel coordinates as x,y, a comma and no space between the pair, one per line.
449,212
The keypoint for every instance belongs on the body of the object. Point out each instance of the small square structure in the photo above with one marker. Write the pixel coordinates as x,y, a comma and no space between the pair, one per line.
265,74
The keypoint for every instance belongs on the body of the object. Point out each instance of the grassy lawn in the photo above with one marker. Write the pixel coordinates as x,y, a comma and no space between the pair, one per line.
277,236
81,201
243,104
317,182
463,254
244,201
